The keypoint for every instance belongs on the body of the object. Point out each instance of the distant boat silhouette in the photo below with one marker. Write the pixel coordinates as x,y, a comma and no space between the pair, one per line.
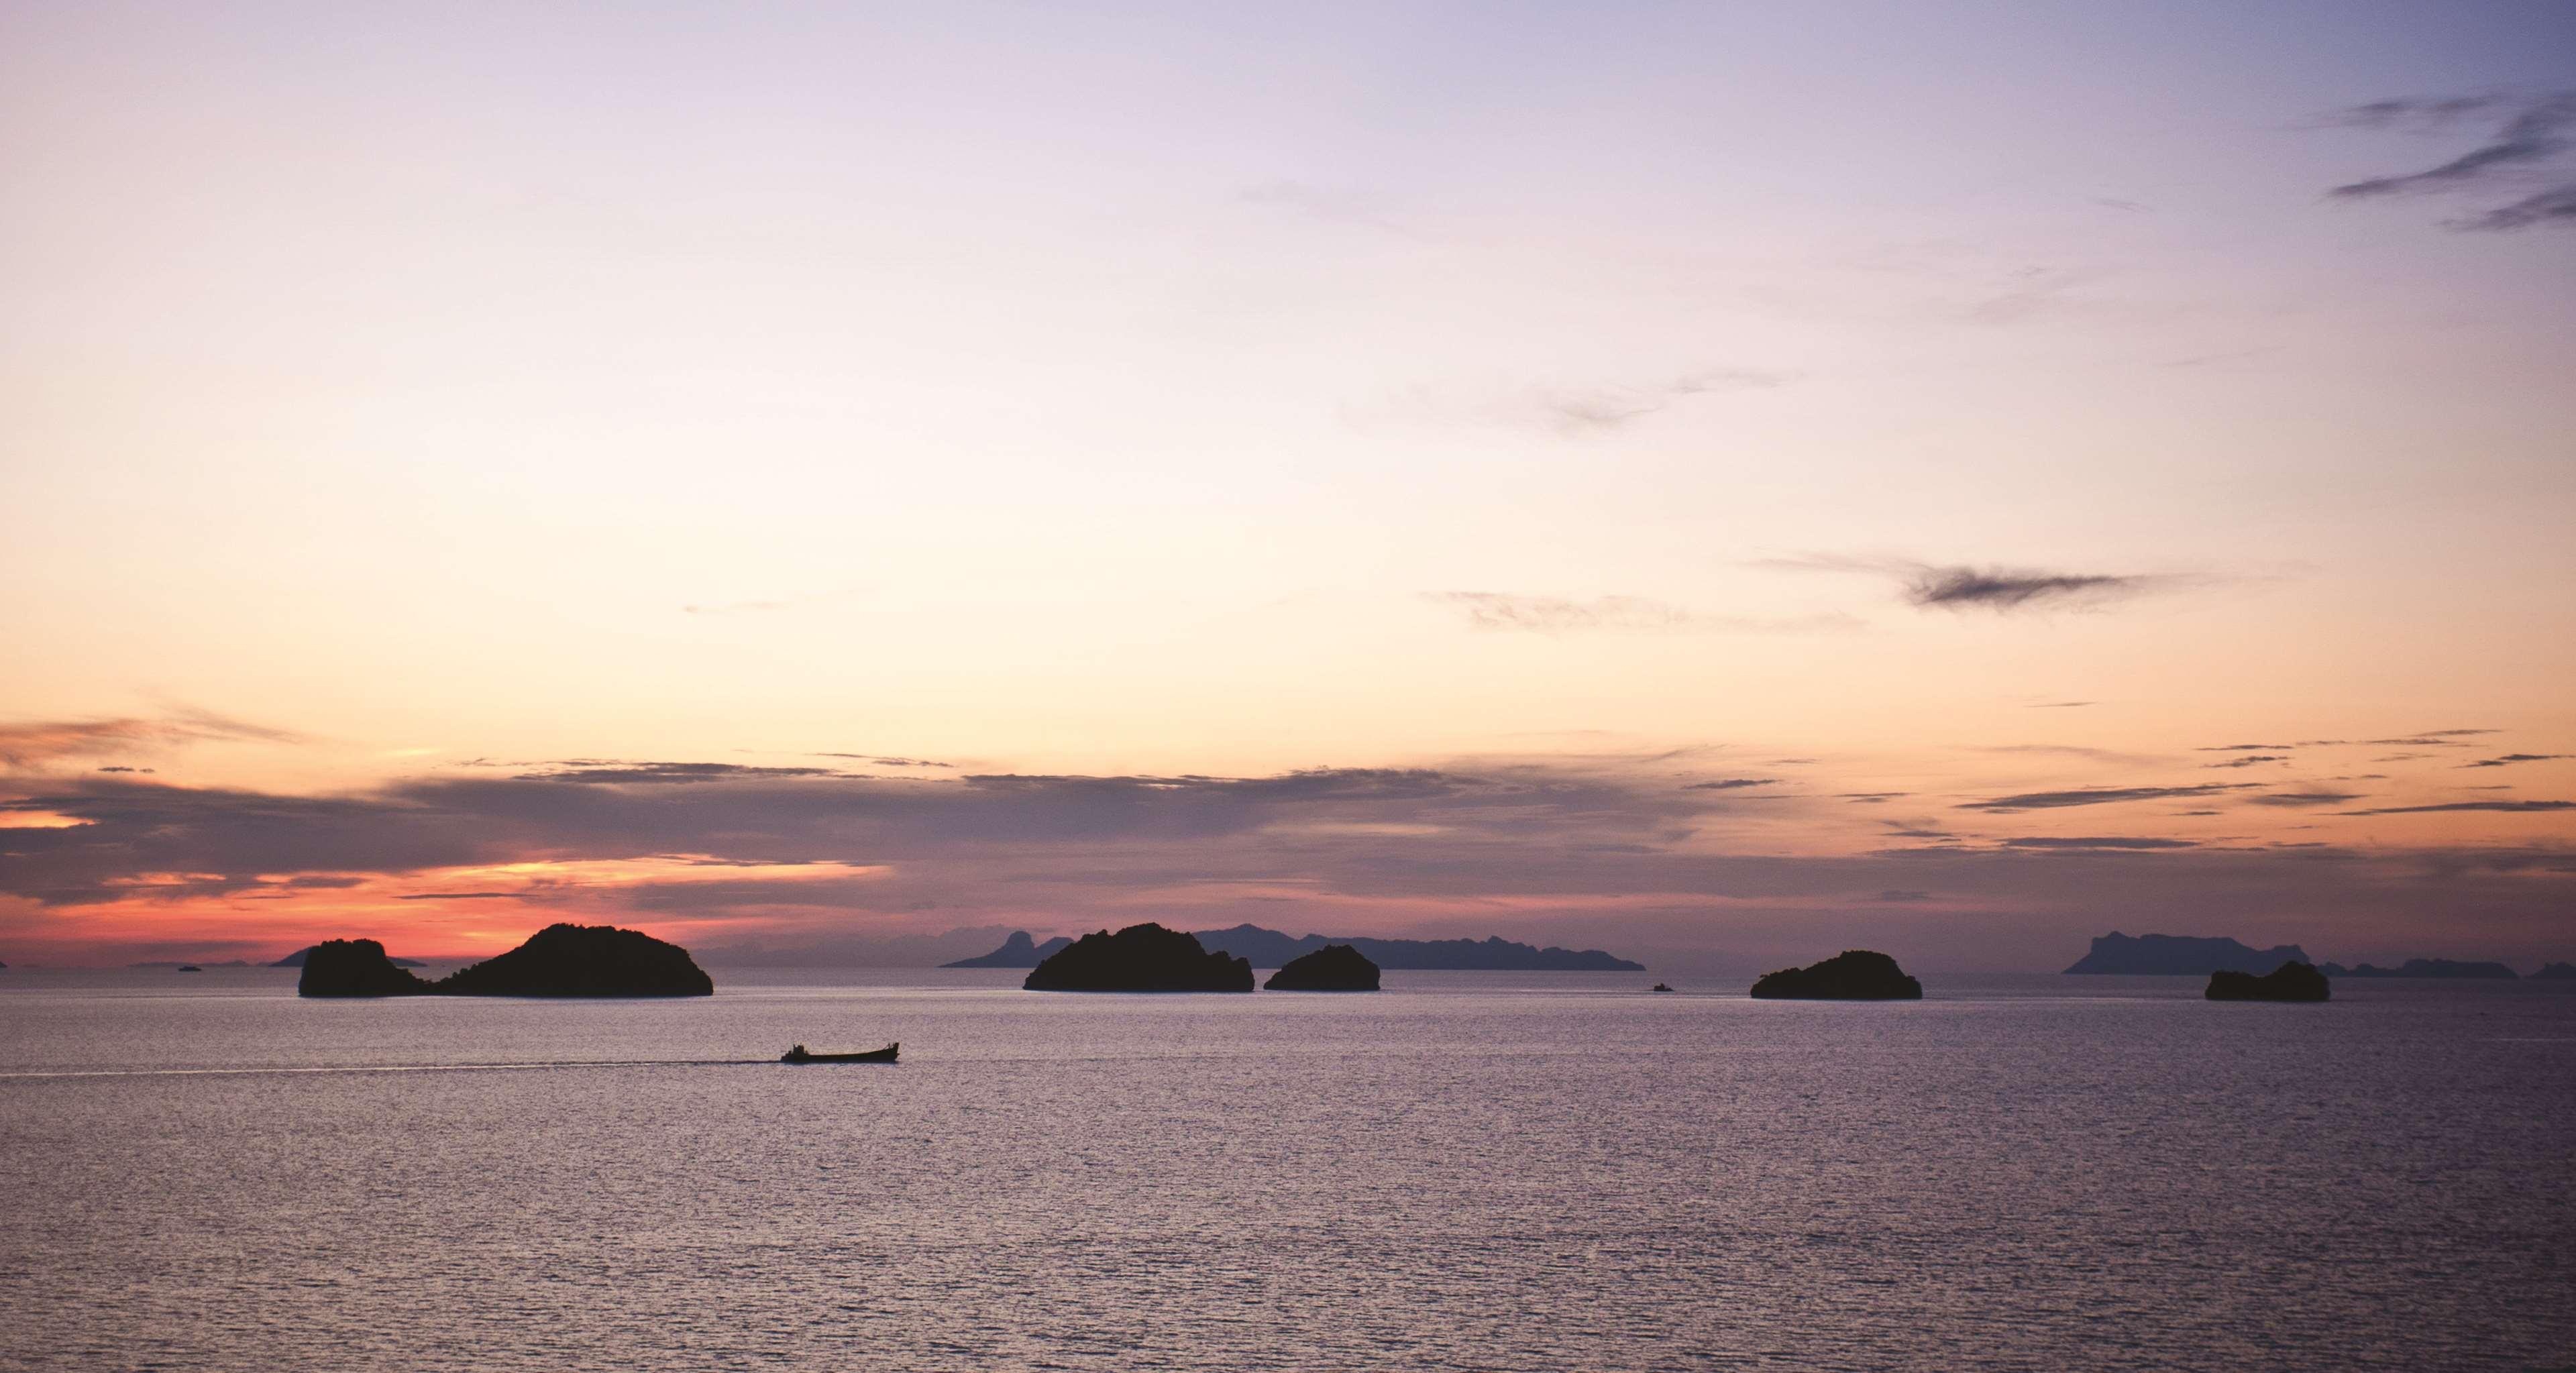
1660,987
800,1054
190,968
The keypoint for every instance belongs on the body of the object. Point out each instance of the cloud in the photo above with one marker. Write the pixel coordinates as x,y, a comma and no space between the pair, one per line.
2296,799
1498,610
1568,411
37,743
1733,783
601,771
885,762
2548,207
2512,758
1903,895
468,896
2252,748
1583,411
2098,796
1961,586
1870,798
2530,142
2249,760
2508,807
2098,842
2059,705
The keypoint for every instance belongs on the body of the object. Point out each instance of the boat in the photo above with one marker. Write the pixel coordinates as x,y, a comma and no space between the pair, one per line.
1660,987
190,968
801,1054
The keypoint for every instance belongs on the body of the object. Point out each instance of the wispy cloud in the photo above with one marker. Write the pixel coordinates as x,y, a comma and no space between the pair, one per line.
2510,759
1503,610
1569,410
1962,586
2529,144
2098,842
2302,799
2506,807
36,743
2248,760
2098,796
1733,784
1582,411
609,771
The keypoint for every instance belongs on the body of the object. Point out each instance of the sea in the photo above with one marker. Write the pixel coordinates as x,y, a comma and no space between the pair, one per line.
1473,1171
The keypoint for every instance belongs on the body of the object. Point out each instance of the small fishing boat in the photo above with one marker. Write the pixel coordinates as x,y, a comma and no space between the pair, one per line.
190,968
1661,987
800,1054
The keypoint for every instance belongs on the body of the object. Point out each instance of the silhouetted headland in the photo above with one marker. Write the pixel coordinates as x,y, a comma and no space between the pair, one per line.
1139,958
2289,982
557,961
2180,955
1332,968
2549,972
1852,975
1267,948
2423,967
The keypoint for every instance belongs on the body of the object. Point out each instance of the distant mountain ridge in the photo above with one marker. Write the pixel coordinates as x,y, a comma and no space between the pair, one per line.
2182,955
2423,967
1273,949
1018,951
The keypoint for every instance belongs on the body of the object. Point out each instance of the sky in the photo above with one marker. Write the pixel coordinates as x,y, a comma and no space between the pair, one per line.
1721,483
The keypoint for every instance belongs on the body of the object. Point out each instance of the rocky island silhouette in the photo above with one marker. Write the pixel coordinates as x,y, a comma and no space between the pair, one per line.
2180,955
2423,967
1852,975
2291,981
1333,968
1268,948
1139,958
557,961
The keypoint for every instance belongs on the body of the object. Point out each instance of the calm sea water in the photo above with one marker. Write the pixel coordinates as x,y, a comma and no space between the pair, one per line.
1468,1171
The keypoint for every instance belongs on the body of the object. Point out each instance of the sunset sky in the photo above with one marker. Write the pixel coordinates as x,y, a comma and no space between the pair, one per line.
1722,483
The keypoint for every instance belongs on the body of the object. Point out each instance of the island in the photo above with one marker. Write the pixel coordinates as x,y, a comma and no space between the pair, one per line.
2552,972
1332,968
2422,967
557,961
355,967
2291,981
1267,948
2180,955
1139,958
296,959
1852,975
1018,951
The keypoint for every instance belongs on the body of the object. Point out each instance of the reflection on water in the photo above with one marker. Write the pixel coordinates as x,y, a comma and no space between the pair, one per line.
1467,1171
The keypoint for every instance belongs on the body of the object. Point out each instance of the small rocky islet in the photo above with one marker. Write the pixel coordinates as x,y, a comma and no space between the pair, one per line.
1139,958
1852,975
1333,968
2292,981
557,961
